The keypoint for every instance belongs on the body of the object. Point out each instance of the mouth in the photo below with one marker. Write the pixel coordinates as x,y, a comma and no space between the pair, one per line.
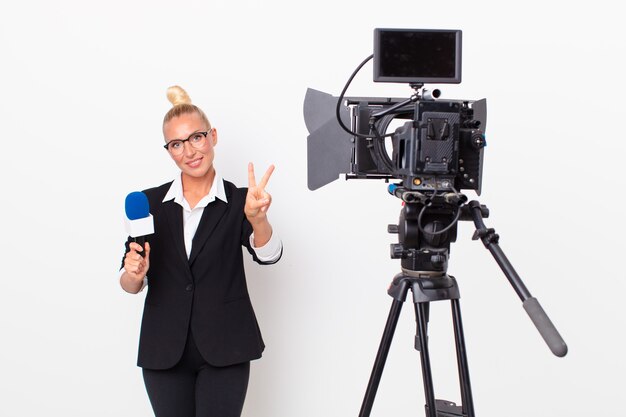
194,163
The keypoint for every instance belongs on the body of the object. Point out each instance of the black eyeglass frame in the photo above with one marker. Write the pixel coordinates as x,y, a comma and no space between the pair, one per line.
182,141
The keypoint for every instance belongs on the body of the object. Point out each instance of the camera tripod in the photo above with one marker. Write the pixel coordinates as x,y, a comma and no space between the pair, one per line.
427,227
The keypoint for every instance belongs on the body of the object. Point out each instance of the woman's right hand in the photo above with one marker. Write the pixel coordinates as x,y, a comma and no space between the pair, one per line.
137,266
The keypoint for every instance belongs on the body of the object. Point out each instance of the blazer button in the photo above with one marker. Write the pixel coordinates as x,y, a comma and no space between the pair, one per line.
189,287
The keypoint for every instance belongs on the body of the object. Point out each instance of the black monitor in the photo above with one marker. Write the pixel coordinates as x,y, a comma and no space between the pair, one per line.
417,56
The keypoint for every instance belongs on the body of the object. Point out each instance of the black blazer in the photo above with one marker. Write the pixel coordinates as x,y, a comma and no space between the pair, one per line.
206,293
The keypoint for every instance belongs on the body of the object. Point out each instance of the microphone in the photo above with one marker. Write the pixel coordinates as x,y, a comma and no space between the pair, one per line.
139,222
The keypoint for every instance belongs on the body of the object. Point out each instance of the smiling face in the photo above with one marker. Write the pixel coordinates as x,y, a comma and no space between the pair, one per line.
196,163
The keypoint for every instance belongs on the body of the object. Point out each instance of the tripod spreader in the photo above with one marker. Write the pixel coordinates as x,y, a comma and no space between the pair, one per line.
536,313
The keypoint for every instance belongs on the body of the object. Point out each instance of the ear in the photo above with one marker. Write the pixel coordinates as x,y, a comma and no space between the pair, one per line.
214,136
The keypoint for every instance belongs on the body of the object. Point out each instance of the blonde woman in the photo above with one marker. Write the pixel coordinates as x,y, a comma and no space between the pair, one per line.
199,331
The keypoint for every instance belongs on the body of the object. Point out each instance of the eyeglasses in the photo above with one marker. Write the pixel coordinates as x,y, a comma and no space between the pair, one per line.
197,140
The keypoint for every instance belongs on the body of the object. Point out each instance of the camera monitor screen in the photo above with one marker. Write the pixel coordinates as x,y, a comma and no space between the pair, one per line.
417,56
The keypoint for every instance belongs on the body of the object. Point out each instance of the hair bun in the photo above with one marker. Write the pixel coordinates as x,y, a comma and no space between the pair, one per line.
176,95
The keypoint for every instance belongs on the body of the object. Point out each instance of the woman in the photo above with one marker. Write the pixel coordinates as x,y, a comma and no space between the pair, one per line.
199,332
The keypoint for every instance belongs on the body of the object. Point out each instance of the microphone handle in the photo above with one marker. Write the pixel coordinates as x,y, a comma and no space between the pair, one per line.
141,240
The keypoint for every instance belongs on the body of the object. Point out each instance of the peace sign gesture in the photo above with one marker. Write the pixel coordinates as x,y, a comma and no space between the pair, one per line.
258,200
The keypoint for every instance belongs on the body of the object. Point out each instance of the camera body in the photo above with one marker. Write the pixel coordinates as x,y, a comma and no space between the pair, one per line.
438,148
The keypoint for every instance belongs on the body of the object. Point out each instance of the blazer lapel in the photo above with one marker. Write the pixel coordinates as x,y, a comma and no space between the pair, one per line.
211,216
174,214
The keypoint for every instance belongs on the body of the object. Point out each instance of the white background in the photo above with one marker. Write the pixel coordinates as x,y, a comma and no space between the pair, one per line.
81,104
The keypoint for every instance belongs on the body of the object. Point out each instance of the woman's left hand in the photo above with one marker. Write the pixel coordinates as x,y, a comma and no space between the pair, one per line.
258,200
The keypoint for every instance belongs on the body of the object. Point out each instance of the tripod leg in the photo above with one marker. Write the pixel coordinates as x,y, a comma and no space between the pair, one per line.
461,355
426,315
421,315
381,357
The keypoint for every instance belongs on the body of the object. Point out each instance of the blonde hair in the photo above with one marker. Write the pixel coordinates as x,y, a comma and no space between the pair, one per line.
182,105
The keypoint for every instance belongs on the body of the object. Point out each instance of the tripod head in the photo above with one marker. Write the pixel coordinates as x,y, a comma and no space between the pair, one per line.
427,227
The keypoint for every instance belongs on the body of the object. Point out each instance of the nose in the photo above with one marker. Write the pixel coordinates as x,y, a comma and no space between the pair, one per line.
188,150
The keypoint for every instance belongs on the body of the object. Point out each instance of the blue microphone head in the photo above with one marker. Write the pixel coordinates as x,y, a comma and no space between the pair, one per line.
137,206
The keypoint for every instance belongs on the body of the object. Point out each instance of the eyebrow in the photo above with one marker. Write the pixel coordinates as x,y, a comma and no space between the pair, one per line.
188,136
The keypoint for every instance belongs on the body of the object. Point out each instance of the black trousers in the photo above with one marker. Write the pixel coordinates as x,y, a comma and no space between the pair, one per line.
193,388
